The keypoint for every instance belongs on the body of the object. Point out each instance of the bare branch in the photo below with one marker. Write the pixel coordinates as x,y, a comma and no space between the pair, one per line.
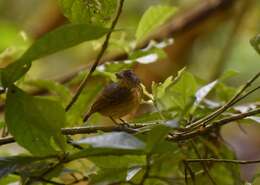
223,161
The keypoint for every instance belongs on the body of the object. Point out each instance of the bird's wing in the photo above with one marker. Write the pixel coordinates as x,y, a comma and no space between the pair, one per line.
112,94
115,93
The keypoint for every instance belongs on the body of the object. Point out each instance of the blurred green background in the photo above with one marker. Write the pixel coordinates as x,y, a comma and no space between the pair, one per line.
218,42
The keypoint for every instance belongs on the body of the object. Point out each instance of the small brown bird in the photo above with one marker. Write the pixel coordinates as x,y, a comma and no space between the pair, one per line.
120,98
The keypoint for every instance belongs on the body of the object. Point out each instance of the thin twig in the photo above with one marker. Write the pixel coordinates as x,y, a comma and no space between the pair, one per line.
147,169
203,163
224,161
223,108
6,140
245,95
215,124
99,56
95,129
89,130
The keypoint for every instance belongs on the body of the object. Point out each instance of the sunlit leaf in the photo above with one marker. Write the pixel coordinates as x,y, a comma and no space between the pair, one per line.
54,41
34,122
88,11
12,37
104,151
182,93
152,19
159,90
228,74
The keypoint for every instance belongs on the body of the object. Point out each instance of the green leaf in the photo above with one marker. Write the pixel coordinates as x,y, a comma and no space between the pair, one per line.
255,42
10,179
88,11
113,162
155,136
118,140
35,122
11,38
228,74
159,90
54,41
183,91
109,176
154,17
100,151
224,92
256,178
53,87
155,116
119,164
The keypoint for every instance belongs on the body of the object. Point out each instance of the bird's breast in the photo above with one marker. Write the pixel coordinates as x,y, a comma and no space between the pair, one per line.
125,105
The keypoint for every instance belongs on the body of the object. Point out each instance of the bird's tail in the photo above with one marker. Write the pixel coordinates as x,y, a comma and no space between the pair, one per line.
86,117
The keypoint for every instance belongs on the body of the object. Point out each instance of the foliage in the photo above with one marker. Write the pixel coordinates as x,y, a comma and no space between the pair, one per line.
183,124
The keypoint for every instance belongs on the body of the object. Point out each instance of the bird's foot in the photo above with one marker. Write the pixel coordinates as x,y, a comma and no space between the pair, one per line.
124,123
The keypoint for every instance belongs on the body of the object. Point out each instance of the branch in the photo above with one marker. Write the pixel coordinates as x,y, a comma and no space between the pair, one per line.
226,106
95,129
99,56
203,164
215,124
89,130
147,169
6,140
223,161
177,137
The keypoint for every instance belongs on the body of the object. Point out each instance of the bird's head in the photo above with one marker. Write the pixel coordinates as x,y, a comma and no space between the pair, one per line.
128,78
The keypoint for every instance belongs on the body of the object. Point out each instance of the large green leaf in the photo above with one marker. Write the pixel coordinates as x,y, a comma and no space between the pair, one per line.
88,11
35,122
54,41
100,151
108,165
155,136
182,92
154,17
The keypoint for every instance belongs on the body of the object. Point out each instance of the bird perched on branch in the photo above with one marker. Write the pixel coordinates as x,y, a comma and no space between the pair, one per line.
120,98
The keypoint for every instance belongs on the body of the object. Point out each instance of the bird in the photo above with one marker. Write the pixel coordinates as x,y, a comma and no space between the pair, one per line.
119,98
